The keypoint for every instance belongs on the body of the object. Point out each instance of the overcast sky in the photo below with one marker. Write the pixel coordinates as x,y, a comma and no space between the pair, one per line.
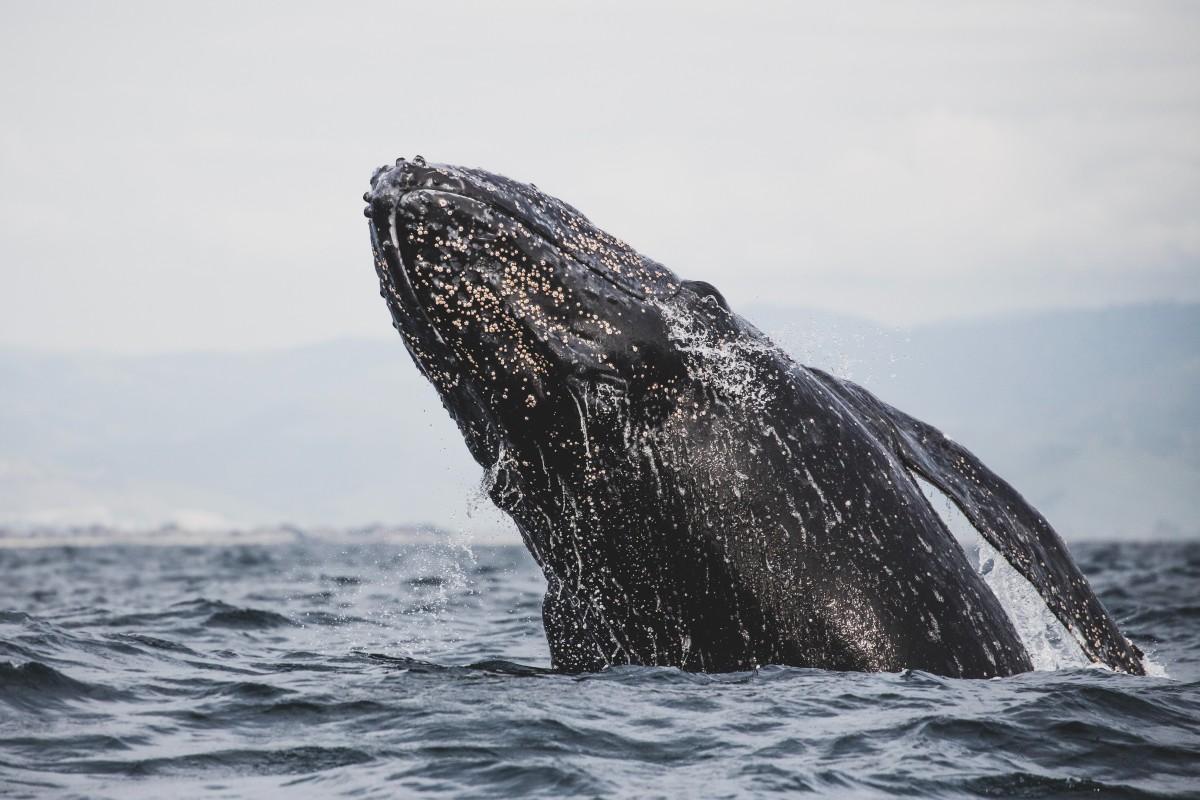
189,175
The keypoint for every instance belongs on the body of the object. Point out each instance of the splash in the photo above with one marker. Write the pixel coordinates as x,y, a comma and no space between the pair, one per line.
729,364
1050,645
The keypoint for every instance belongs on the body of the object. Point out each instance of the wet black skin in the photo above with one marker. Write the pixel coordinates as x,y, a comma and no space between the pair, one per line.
694,496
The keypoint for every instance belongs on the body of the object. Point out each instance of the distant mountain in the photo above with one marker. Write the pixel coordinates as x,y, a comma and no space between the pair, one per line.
346,432
1093,415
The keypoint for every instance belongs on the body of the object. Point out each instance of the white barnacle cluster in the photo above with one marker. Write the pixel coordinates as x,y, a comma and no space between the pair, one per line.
534,290
611,255
481,291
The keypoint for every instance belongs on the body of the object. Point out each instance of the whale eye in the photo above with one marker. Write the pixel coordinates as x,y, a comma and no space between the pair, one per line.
707,290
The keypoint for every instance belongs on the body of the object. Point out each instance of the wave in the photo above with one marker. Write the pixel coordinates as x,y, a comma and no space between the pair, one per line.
309,685
287,761
32,684
247,618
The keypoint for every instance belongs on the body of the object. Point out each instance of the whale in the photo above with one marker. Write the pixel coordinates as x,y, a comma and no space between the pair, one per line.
696,497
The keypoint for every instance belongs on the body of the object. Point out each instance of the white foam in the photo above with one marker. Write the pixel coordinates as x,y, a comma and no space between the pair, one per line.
726,363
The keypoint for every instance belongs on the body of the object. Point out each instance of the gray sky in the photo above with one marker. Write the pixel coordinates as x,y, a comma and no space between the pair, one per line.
188,175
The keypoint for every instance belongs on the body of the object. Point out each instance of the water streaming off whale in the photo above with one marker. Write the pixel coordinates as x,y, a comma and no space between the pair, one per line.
1048,642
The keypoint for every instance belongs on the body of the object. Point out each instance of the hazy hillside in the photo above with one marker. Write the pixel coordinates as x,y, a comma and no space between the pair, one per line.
1095,416
345,432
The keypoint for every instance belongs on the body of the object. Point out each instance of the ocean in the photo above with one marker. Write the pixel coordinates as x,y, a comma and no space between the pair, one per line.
365,664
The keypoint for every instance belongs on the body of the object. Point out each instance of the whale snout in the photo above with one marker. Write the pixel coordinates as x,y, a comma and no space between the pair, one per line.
391,184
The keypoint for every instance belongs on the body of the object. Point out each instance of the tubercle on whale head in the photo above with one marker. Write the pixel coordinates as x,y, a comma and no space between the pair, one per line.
510,300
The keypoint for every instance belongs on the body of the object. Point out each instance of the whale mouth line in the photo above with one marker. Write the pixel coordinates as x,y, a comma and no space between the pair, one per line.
429,349
418,310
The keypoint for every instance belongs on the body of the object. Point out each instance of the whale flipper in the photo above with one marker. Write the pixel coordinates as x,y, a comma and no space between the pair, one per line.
1003,517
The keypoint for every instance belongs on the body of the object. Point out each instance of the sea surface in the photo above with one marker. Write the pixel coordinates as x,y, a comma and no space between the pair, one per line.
368,665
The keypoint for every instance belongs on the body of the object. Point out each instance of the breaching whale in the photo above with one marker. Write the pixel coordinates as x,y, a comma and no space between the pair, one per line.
694,496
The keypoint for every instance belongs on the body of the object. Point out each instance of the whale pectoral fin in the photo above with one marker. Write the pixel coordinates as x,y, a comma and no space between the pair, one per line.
1004,518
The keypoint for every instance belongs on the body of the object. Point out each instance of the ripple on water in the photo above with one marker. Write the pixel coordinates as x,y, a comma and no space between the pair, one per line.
247,619
285,761
378,671
33,685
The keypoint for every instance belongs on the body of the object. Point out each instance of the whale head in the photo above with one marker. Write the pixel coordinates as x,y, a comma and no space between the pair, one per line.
515,306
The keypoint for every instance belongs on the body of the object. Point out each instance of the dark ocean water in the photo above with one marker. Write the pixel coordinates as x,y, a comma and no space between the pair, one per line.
316,668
